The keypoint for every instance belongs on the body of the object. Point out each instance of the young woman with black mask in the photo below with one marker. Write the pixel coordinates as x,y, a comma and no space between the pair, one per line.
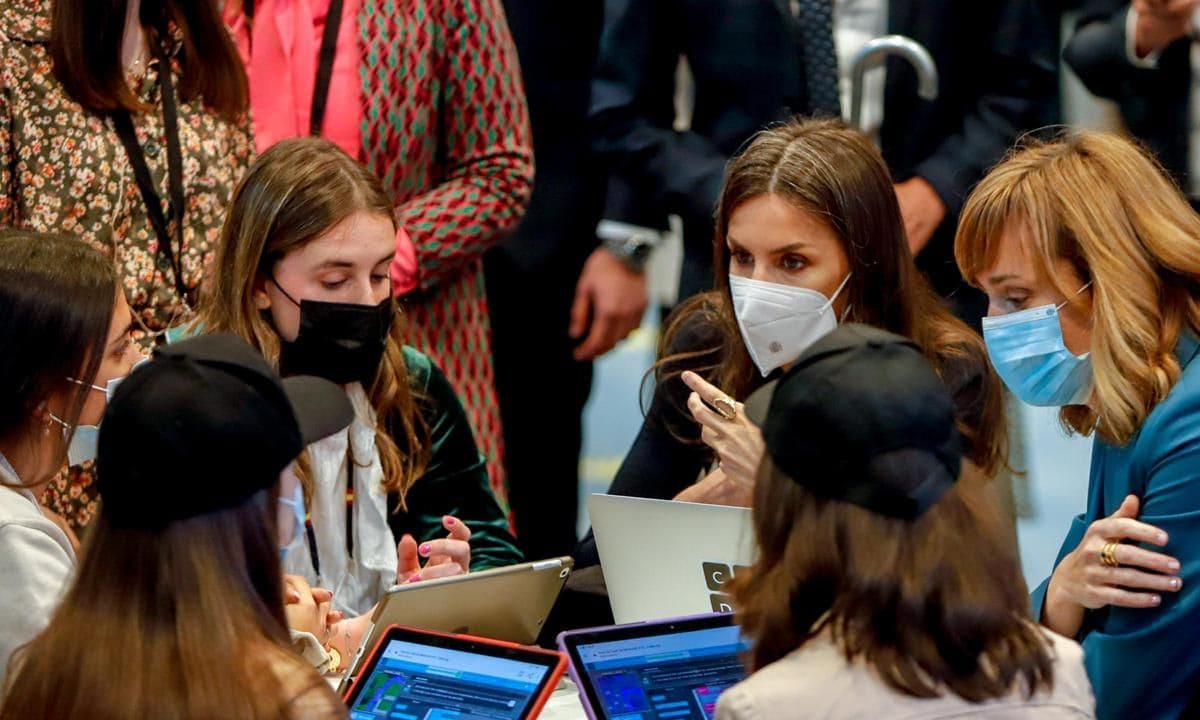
301,272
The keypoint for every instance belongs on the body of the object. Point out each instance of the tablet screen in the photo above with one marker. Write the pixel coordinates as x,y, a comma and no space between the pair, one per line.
676,675
417,681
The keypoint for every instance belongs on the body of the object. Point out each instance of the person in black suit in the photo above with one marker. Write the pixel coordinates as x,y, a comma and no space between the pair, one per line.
1139,55
997,61
555,299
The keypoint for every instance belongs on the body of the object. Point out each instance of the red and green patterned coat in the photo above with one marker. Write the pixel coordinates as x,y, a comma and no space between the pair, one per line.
446,128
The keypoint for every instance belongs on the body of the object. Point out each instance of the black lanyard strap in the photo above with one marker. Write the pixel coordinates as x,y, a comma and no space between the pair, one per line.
171,247
333,23
329,38
311,534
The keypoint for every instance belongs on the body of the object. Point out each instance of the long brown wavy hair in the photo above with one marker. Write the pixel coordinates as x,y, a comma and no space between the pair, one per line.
824,168
189,620
295,191
1103,205
933,604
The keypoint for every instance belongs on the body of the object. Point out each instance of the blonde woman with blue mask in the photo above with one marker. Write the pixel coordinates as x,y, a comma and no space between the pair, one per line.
1091,260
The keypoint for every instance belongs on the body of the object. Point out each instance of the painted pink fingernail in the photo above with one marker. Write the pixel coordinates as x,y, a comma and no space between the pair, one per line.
414,577
1175,583
1154,600
1162,538
1173,565
450,521
424,549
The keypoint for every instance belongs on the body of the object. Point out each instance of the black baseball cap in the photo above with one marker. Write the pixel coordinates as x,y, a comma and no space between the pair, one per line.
862,418
202,427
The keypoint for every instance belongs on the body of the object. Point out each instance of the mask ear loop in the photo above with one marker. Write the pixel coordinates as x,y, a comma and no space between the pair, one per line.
839,292
286,294
1078,292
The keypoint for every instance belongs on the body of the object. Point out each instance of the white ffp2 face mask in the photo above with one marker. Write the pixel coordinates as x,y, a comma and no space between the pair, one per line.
779,322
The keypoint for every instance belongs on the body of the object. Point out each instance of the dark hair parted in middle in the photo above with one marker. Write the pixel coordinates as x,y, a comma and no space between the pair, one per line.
835,174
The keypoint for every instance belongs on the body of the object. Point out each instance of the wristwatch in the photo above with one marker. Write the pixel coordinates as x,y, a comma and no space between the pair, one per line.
632,250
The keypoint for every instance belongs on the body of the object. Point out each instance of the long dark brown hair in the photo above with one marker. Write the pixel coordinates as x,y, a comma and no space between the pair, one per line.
934,604
294,192
835,173
85,43
191,618
56,305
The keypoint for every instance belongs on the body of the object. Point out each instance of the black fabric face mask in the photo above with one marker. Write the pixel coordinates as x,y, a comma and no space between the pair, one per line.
341,342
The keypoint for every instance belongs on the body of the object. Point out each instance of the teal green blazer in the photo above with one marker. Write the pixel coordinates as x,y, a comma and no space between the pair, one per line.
1145,663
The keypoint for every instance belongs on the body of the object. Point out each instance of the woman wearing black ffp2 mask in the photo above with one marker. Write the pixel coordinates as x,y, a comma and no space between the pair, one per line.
341,342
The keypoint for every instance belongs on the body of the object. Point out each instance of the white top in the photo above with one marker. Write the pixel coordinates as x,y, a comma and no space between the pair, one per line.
818,679
357,581
37,563
855,23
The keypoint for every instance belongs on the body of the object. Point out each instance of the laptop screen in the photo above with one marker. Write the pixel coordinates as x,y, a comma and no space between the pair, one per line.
677,675
412,680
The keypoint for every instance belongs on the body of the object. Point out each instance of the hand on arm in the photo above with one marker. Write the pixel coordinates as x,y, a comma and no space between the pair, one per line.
1082,582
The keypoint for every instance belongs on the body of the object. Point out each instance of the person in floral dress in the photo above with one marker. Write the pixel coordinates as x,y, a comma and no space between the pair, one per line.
67,170
428,94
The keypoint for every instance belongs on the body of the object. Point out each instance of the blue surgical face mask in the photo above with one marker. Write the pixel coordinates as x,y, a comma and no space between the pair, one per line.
296,519
86,438
1029,354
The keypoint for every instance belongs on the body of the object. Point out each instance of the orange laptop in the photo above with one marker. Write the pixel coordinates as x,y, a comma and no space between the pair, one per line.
423,675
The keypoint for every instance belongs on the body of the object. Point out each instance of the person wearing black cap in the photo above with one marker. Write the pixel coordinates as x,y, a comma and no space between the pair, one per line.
884,583
177,609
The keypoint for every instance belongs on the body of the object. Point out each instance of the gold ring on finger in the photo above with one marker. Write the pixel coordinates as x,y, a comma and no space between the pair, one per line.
1108,554
725,406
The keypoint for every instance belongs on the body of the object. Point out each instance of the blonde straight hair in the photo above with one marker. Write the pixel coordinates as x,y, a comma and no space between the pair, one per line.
294,192
1100,203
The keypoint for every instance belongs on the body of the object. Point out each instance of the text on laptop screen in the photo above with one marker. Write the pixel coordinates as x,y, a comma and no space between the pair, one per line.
422,682
667,676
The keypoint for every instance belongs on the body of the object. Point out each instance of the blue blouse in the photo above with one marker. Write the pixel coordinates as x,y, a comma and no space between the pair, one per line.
1145,663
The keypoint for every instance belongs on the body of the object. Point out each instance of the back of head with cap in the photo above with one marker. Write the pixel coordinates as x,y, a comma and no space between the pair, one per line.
180,569
208,424
863,418
866,535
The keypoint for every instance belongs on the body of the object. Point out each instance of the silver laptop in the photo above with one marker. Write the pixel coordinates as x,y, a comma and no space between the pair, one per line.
664,559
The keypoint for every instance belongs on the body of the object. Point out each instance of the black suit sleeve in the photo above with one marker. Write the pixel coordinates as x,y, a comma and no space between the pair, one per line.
1097,50
1098,53
654,170
1017,79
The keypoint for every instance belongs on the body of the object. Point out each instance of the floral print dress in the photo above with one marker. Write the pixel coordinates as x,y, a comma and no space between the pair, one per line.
64,171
